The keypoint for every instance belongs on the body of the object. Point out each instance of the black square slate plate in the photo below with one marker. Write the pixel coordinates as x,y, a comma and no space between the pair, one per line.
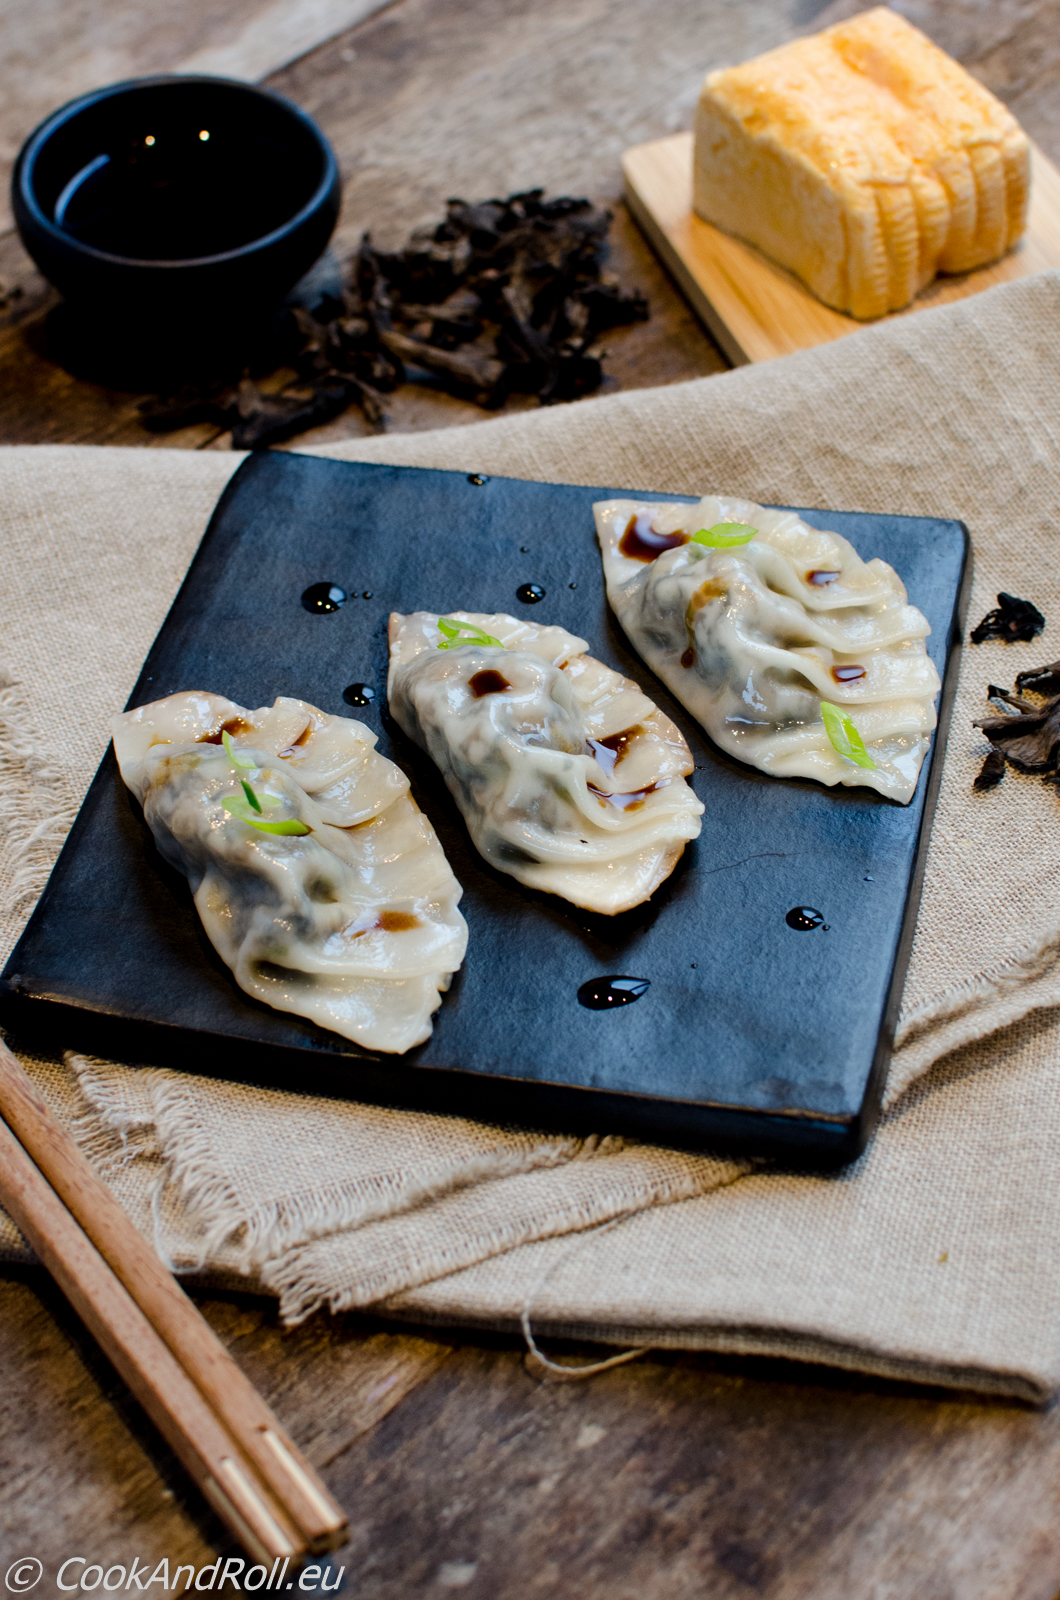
752,1034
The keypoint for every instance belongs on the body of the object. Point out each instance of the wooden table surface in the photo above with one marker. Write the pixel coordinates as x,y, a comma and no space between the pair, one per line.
680,1475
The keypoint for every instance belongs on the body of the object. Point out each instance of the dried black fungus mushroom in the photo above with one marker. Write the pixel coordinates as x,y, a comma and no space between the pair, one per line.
504,297
1013,620
991,772
1041,680
1029,737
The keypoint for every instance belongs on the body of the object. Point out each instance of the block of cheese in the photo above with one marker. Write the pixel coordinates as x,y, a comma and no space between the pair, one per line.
864,159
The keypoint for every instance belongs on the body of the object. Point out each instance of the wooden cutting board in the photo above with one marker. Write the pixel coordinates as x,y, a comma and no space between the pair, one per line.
756,310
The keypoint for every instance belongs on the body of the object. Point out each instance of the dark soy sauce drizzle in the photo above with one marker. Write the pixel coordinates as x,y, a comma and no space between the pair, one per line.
820,577
477,478
633,800
640,542
609,752
390,922
233,727
359,694
603,994
847,674
688,657
529,593
803,918
487,682
321,597
303,739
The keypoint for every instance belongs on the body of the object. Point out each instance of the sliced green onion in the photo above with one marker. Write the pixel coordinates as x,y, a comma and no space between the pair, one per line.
230,751
251,796
724,535
844,736
243,810
458,633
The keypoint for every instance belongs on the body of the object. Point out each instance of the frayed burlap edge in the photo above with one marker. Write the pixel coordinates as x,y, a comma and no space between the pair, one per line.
253,1236
36,807
303,1291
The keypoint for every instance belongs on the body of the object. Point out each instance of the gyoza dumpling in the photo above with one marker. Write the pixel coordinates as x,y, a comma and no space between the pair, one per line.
334,900
795,655
567,776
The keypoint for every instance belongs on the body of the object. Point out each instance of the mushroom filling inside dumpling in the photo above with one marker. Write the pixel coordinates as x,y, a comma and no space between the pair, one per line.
567,776
794,654
318,880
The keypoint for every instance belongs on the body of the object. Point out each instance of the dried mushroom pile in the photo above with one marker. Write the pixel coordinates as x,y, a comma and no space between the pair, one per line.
506,297
1027,736
1013,620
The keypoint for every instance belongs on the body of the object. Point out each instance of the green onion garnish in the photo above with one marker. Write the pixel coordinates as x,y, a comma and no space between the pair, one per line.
458,633
230,751
724,535
245,812
844,736
251,796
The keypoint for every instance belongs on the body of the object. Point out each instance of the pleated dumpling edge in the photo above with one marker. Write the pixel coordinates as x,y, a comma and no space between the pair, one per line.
318,880
568,777
794,654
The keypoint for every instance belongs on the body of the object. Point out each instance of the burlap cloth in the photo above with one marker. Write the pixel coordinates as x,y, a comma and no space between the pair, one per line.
937,1256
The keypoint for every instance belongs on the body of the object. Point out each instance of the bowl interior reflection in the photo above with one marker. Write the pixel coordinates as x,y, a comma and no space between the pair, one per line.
177,172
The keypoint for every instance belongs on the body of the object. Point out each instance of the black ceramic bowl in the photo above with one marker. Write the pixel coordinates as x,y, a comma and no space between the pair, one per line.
176,198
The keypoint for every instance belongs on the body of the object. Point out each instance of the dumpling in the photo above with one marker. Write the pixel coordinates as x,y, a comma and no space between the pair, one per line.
794,654
567,776
319,881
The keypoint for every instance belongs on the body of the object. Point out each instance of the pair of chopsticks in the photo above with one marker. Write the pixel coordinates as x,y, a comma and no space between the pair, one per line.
210,1415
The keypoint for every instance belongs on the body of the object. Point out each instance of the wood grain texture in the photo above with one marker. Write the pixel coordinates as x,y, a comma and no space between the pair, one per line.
684,1476
53,50
676,1478
755,309
80,1467
203,1445
166,1317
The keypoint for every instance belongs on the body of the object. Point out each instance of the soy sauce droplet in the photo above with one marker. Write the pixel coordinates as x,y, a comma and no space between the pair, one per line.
359,694
368,594
321,597
803,918
603,994
529,593
524,549
477,479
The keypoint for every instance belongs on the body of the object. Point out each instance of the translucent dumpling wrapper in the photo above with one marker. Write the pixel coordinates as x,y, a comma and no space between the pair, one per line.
753,637
567,776
352,921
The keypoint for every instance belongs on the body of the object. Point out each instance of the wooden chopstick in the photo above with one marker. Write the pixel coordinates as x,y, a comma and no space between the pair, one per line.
158,1381
276,1472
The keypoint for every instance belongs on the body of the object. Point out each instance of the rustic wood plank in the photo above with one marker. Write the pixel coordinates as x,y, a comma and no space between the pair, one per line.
82,1471
679,1476
102,41
683,1476
336,1377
